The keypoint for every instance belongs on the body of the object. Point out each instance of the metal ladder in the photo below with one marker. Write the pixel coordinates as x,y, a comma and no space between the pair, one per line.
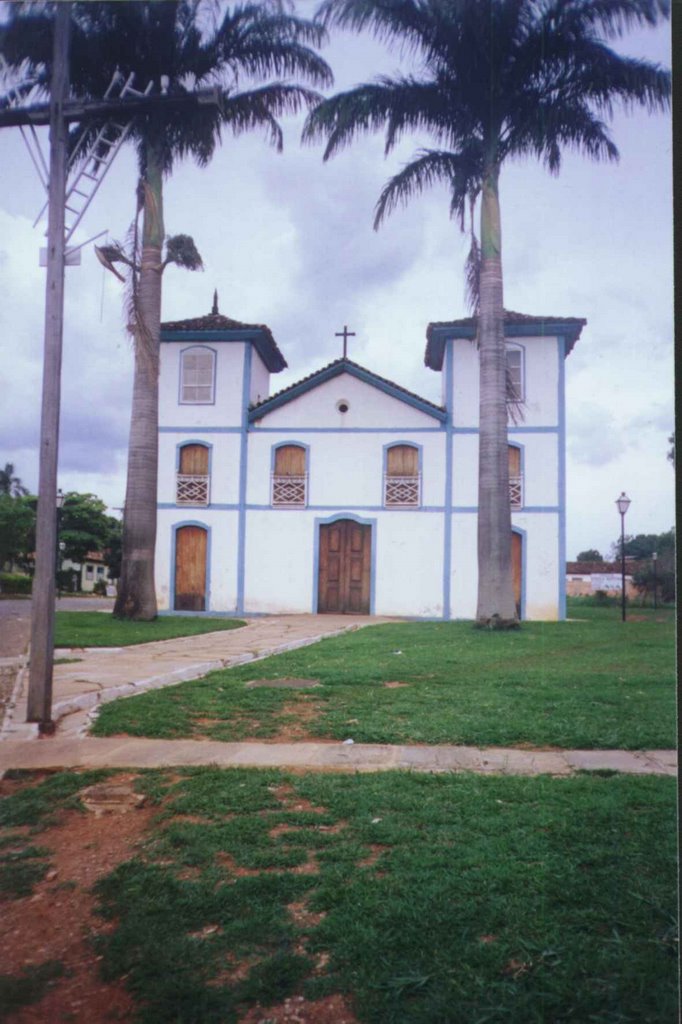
89,162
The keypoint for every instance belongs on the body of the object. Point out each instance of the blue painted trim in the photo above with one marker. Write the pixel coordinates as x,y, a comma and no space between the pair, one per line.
561,497
511,430
521,448
199,430
523,535
447,524
183,444
217,507
438,335
273,457
174,531
289,444
404,444
243,454
203,444
344,430
264,342
336,370
328,508
183,353
373,555
534,509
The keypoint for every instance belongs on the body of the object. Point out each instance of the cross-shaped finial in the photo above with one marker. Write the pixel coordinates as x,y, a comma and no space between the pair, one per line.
345,334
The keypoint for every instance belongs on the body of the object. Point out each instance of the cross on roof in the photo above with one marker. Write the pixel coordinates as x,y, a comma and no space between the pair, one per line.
345,334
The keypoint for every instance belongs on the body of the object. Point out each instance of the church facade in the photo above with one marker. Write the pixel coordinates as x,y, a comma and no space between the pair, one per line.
346,492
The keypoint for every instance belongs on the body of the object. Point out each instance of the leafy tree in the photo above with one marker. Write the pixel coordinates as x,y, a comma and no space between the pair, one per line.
497,80
11,484
84,525
196,43
17,527
591,555
641,547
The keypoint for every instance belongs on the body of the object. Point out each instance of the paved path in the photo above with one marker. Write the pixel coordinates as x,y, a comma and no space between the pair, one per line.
105,674
129,752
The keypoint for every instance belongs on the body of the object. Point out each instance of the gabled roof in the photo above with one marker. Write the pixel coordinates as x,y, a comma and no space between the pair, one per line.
216,327
515,325
335,369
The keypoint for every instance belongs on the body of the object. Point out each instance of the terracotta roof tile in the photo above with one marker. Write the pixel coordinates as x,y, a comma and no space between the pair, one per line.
266,345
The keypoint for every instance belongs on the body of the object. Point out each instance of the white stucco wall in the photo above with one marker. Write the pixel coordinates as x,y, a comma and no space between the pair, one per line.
541,373
259,388
367,407
222,552
345,465
226,410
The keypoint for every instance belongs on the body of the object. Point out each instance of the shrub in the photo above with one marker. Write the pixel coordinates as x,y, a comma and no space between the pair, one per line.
15,583
100,588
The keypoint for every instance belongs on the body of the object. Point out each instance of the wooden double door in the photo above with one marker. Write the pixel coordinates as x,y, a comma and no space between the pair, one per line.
345,567
190,569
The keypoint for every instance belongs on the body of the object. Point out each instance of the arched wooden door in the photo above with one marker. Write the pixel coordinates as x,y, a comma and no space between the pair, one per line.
517,568
190,569
344,577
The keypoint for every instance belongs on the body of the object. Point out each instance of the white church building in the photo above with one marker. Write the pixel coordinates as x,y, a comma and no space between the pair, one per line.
345,492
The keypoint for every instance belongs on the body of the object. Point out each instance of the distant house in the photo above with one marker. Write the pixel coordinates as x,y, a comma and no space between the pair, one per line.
86,573
584,578
345,492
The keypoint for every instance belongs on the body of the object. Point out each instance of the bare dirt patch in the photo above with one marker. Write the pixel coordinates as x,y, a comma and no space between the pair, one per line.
58,921
295,721
376,850
303,917
394,685
297,1010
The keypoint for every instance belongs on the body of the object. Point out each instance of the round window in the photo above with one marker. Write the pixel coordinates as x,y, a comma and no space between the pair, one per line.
342,405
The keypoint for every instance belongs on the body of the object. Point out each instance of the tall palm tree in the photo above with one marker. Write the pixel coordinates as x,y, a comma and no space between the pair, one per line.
497,79
11,484
195,43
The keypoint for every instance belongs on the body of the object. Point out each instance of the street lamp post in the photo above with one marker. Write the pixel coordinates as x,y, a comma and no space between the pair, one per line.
59,502
654,559
623,504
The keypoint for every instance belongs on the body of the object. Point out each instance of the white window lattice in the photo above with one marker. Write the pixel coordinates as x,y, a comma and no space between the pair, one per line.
401,490
516,491
191,490
197,376
289,490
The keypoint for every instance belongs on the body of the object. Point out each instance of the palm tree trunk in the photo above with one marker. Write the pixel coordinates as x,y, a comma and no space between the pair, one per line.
136,597
496,605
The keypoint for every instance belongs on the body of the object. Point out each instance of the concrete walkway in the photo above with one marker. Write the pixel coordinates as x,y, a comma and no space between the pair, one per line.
129,752
99,675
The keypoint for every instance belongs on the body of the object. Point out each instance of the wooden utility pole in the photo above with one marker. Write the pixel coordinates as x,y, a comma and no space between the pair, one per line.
42,614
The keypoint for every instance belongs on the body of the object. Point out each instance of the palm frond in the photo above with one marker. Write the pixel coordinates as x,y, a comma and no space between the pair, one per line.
460,173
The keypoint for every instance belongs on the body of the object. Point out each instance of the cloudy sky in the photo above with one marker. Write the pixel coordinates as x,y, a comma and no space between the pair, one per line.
288,241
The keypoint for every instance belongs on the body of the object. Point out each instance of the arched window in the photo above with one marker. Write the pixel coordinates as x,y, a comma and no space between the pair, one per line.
193,479
515,476
401,477
289,477
197,376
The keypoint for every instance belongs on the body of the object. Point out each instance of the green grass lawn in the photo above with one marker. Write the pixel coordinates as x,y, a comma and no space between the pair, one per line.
101,629
425,899
583,684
